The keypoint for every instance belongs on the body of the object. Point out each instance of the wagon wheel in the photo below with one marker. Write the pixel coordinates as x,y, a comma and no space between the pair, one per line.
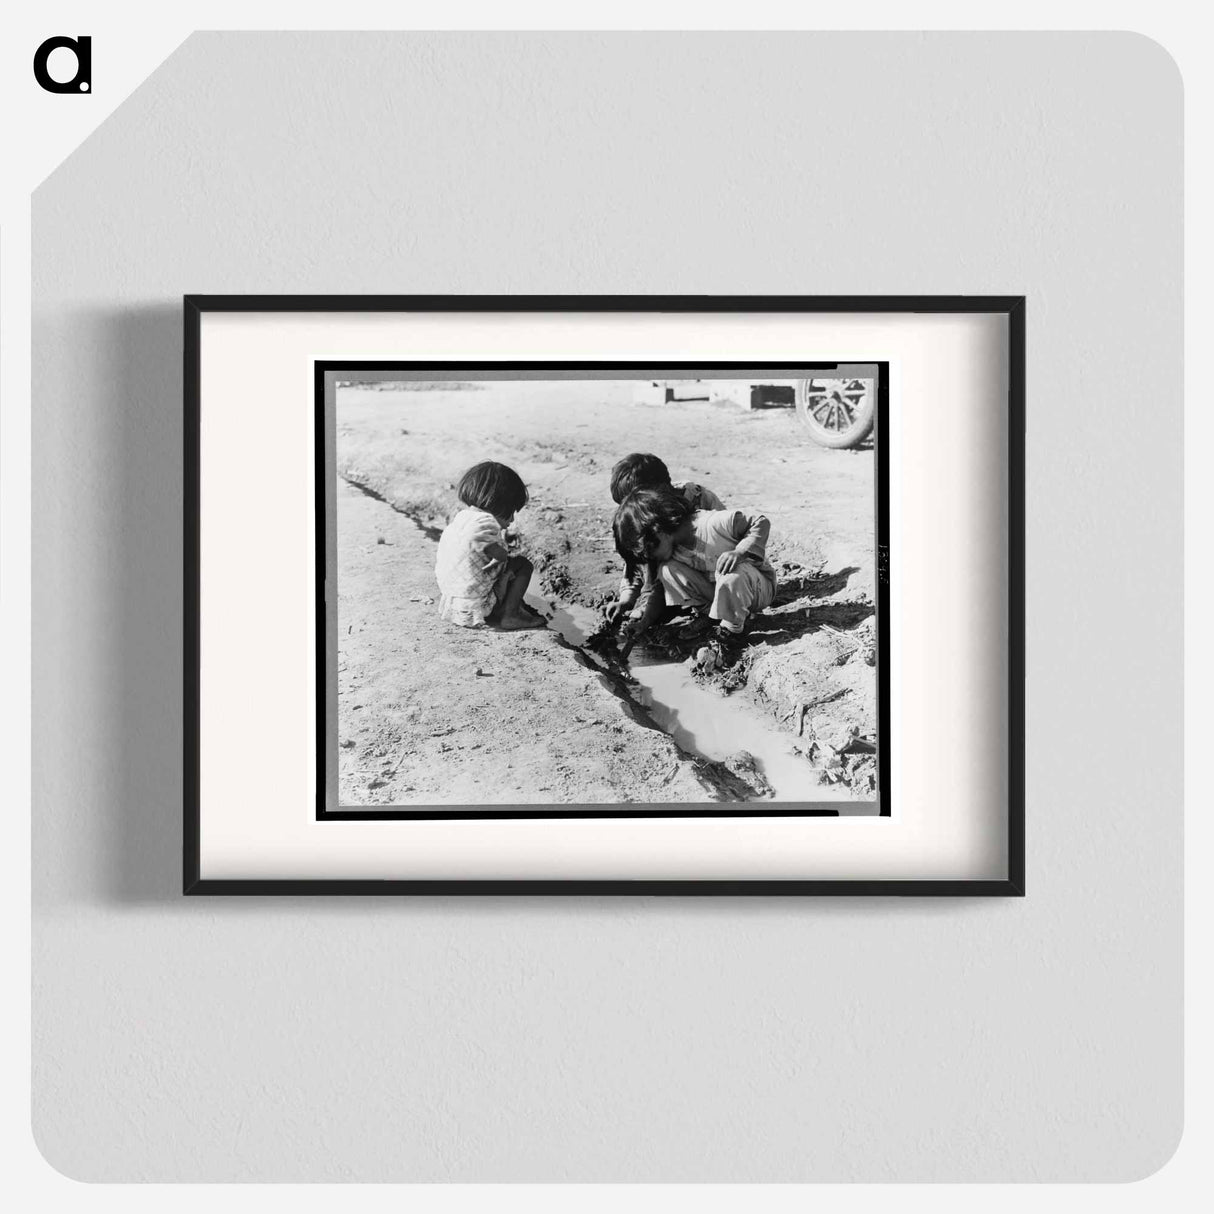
837,412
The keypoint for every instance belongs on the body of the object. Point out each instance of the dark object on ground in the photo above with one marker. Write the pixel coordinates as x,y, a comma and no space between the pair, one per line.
674,393
766,396
737,778
744,765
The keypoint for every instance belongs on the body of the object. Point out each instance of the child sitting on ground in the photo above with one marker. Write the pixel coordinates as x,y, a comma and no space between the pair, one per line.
480,581
644,471
713,559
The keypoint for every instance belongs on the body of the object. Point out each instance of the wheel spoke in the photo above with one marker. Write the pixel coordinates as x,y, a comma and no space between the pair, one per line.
834,405
838,409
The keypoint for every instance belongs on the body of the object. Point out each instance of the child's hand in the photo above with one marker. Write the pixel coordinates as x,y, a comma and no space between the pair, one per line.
614,612
727,562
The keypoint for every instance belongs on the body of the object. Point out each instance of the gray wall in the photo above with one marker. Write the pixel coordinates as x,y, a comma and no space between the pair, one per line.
624,1039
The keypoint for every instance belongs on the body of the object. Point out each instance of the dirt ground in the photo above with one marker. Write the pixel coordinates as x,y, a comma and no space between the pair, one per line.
430,713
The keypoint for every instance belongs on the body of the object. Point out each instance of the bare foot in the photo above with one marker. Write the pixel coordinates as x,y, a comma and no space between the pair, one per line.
516,623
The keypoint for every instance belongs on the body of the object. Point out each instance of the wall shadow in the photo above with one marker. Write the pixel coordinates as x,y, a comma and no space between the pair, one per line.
141,402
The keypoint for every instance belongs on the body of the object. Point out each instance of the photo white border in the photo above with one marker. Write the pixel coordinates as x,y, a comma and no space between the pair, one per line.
949,604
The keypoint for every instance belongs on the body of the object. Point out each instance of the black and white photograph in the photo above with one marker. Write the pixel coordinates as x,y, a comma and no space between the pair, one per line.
636,590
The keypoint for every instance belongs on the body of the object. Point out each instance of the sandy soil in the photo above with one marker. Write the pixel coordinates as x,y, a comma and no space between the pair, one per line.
431,713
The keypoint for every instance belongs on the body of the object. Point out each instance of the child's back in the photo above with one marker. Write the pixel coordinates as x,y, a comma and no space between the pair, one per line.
699,496
471,557
481,583
720,531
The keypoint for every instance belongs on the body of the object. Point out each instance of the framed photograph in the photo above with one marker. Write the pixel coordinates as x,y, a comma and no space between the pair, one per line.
604,594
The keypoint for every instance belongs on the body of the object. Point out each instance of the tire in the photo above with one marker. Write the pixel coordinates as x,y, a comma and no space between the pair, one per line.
838,413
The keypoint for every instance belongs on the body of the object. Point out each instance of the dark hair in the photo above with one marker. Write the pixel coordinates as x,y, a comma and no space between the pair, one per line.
493,487
646,514
637,471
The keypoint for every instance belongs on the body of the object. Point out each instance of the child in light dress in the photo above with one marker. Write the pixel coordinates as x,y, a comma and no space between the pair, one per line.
481,583
642,470
715,560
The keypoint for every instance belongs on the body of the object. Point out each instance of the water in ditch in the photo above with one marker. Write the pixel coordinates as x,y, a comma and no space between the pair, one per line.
701,721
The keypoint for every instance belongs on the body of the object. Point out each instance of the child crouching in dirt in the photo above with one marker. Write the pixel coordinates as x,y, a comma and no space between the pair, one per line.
644,471
481,583
710,559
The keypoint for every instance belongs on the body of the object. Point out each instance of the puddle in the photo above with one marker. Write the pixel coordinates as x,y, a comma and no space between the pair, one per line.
704,722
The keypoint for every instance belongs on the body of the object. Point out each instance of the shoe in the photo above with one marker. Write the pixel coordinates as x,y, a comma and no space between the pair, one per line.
728,645
694,627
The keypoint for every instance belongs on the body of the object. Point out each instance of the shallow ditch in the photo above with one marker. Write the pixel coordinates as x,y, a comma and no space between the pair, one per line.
703,724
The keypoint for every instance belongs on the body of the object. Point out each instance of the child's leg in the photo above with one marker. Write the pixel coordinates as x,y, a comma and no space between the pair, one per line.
738,594
685,586
509,615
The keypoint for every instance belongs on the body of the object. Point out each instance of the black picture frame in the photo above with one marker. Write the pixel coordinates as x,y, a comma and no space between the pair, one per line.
194,307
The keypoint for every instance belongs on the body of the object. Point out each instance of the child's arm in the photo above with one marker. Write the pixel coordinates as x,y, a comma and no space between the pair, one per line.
646,583
751,531
628,593
654,602
493,558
